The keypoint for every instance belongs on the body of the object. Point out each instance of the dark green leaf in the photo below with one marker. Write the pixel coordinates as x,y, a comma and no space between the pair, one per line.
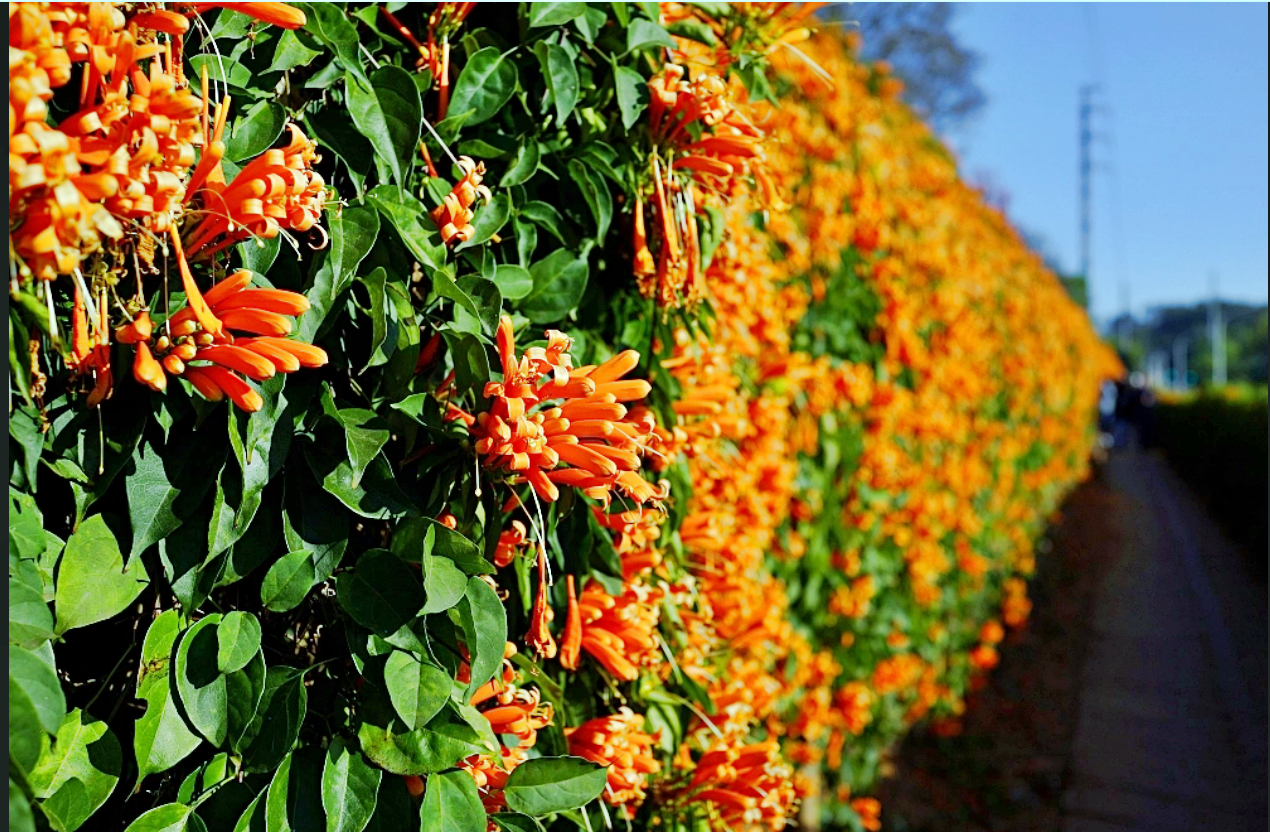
328,23
163,488
554,784
389,113
382,592
561,75
523,165
222,70
20,817
256,131
409,217
38,683
559,281
417,690
349,789
545,216
292,51
596,193
484,623
484,86
162,739
377,495
276,725
365,434
92,584
288,581
632,94
238,639
244,690
393,807
645,33
24,427
422,751
422,535
200,686
27,739
489,220
335,131
554,14
513,281
352,235
294,800
451,803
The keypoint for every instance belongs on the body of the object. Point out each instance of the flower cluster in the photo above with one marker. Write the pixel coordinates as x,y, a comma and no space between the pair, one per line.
590,430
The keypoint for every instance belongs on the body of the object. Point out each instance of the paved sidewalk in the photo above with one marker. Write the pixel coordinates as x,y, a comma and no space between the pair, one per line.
1171,726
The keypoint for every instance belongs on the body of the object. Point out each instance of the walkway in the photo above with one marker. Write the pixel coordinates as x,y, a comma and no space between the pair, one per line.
1171,728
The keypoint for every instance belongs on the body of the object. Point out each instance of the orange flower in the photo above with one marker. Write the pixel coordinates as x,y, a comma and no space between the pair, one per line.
454,216
869,810
618,632
619,743
283,15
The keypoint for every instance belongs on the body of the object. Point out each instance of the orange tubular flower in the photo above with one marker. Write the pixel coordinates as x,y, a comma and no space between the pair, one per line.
619,743
870,811
283,15
539,636
454,217
591,429
619,632
746,785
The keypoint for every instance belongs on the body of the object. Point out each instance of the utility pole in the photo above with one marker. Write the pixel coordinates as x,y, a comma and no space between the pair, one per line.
1086,168
1179,361
1217,333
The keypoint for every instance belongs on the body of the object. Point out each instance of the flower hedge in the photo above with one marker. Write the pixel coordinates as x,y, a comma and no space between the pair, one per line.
447,416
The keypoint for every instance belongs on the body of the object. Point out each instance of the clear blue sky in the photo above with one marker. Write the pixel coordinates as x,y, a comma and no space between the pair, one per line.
1186,86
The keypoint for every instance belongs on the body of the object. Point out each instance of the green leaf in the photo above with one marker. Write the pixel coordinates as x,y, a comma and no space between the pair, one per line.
237,639
253,817
27,739
327,22
545,216
294,800
292,52
163,488
513,282
420,536
644,33
39,684
471,362
92,584
422,751
161,739
559,281
444,584
488,221
632,94
524,165
24,427
388,111
288,581
410,218
199,684
596,193
381,592
393,807
352,235
20,817
276,725
554,784
335,131
516,822
171,817
484,623
314,520
376,496
488,301
222,70
365,434
554,14
349,789
451,803
244,690
484,86
84,752
418,690
561,75
30,621
256,131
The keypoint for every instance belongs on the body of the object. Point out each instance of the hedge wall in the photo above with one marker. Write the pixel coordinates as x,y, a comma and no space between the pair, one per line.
448,416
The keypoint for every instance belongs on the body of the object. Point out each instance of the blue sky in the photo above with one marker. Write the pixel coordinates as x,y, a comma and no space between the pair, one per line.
1186,90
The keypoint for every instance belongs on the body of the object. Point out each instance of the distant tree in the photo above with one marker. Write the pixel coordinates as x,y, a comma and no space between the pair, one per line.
915,38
